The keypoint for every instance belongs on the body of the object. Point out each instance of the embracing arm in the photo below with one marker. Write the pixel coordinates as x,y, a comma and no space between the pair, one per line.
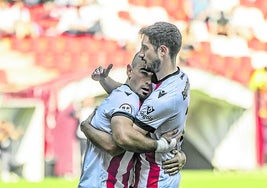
109,84
128,138
99,138
133,138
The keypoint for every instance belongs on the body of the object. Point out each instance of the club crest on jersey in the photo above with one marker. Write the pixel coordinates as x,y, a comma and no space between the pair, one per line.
126,107
161,93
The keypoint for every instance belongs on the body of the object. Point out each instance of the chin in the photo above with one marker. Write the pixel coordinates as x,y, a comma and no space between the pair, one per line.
143,97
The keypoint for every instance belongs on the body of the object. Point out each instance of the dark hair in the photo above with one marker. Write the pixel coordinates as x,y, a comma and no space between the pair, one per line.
135,60
164,33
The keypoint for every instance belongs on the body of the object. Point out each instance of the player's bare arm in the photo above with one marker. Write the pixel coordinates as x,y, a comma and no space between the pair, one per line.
127,137
99,138
104,140
129,140
101,74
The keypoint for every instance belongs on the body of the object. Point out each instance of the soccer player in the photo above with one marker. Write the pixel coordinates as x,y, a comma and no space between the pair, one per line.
164,110
114,167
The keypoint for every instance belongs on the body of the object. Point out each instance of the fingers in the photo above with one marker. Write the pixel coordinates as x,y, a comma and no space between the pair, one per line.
171,162
93,113
172,169
175,131
95,75
83,126
90,117
174,165
109,68
175,151
98,72
87,122
180,137
169,135
101,72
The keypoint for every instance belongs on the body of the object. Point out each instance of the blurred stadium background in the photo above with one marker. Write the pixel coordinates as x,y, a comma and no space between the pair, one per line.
46,62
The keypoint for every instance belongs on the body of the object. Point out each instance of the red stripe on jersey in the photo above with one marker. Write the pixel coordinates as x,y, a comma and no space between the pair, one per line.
113,170
137,170
140,104
157,85
153,175
154,171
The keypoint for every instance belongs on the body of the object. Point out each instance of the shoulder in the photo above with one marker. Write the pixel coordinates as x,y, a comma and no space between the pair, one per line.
125,92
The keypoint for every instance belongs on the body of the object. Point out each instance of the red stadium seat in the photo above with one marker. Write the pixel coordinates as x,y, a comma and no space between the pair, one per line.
45,59
232,66
205,47
138,2
22,45
92,45
244,72
175,8
256,44
217,64
64,62
110,46
58,44
42,44
3,78
199,60
152,3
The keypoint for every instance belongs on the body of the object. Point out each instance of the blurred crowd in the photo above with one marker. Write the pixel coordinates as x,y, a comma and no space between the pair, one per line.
233,28
241,21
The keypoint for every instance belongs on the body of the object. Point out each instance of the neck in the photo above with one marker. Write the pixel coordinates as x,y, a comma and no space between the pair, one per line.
166,69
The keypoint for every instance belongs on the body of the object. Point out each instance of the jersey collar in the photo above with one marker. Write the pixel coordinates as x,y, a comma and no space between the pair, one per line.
156,81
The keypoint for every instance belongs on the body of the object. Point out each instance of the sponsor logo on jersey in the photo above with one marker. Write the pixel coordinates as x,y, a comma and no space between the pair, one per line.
126,107
161,93
145,113
150,109
145,116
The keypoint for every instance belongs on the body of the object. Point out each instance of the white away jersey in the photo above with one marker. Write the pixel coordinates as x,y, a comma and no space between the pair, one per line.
164,110
100,169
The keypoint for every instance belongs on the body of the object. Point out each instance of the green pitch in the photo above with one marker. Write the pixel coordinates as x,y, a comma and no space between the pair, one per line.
190,179
213,179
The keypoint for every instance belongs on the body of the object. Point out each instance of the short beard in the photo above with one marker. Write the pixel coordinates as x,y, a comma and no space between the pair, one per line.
156,65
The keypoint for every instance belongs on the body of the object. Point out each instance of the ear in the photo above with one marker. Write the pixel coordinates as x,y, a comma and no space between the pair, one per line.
129,70
163,50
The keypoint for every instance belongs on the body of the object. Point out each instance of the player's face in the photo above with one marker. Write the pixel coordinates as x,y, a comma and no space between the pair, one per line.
140,80
150,55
